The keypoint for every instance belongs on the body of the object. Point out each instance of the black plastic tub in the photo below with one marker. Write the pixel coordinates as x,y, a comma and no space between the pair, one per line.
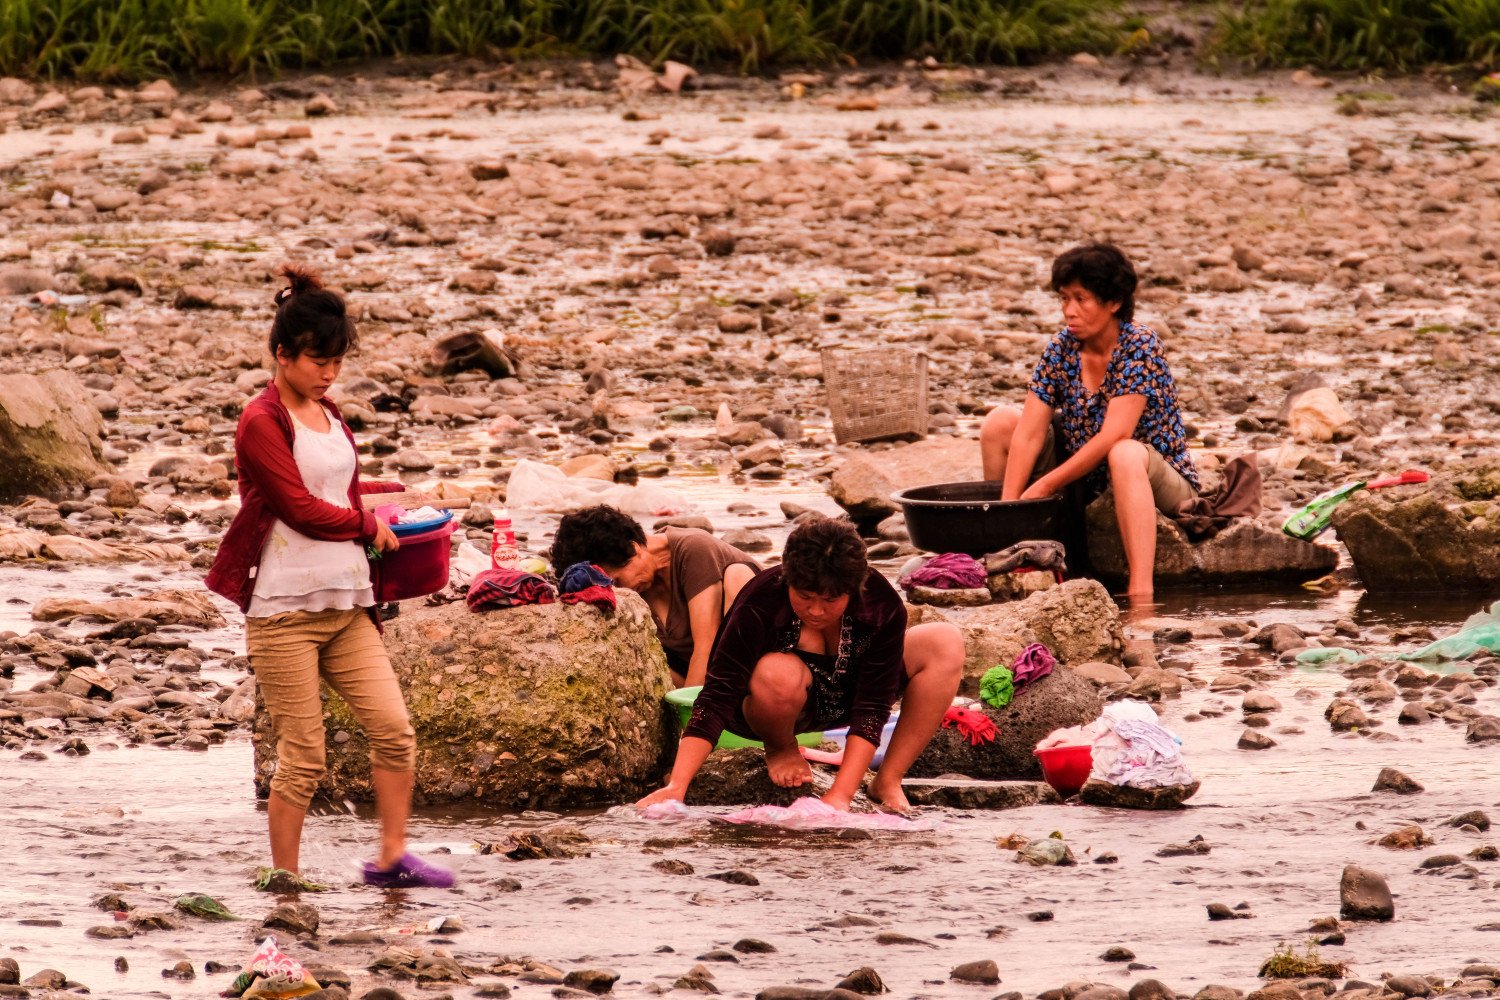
970,518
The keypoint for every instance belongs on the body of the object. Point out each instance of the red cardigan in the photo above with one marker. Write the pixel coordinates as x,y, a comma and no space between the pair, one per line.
271,490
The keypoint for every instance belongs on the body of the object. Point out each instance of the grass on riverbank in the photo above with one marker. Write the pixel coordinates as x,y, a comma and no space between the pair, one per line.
135,39
1362,35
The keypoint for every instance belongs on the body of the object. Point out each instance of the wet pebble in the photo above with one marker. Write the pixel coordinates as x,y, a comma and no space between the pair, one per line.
984,971
1391,780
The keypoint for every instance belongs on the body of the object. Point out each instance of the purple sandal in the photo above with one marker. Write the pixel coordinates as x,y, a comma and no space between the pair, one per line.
409,872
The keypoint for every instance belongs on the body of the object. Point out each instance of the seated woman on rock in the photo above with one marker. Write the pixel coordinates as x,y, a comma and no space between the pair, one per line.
815,643
686,575
1105,377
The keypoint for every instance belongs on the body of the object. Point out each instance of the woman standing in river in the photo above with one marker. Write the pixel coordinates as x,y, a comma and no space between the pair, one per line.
295,561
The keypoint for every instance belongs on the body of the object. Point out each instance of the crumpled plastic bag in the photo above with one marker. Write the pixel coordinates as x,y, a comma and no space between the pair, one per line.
1329,654
536,486
271,973
1479,631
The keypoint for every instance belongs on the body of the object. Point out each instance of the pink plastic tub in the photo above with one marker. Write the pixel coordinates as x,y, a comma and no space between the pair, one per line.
418,568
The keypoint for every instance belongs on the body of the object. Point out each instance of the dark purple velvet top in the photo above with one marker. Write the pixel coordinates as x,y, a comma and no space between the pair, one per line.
761,621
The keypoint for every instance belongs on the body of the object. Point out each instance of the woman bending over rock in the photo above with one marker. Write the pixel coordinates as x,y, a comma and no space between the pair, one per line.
686,575
815,643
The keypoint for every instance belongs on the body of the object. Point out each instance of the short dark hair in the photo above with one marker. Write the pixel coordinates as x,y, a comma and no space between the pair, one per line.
825,556
1104,270
310,319
601,535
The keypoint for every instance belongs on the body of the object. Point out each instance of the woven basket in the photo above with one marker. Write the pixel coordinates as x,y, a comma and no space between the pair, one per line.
876,393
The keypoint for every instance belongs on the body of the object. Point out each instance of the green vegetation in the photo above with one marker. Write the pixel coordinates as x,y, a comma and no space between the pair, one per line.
1363,35
135,39
1285,963
139,39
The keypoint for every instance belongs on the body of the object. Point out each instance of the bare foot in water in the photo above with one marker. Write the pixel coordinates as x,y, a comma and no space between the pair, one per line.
787,766
888,795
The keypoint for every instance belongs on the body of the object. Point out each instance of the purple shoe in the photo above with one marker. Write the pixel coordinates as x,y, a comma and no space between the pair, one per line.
409,872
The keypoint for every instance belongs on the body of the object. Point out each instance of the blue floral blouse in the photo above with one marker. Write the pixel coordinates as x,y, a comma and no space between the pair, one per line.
1136,368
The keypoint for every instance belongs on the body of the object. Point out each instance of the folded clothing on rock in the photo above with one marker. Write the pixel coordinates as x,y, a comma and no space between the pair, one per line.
1133,749
585,583
1238,495
949,571
1032,664
1040,553
508,588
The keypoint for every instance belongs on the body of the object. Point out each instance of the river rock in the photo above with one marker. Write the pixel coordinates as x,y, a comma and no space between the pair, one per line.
51,435
966,793
863,482
1364,895
738,778
533,707
1391,780
1102,793
1439,536
1061,699
1246,551
1078,622
984,972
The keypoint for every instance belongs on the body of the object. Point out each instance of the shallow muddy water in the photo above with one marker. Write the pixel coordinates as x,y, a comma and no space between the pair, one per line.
153,824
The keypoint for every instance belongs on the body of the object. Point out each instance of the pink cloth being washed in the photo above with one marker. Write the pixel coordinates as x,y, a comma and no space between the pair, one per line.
805,814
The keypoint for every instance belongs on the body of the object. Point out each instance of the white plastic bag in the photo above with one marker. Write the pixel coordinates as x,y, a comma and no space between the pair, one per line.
536,486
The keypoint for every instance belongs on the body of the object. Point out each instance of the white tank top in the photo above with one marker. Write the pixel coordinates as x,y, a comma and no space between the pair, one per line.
298,573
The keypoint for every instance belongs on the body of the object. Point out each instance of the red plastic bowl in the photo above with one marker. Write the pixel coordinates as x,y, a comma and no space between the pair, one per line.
1066,768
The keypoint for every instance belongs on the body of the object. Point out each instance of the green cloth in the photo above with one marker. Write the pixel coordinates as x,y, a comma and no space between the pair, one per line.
997,687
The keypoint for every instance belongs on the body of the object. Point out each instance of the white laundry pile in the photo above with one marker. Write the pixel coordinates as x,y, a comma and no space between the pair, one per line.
1131,748
805,814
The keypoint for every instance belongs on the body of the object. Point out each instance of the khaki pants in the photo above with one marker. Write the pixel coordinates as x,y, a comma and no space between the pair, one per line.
288,653
1168,488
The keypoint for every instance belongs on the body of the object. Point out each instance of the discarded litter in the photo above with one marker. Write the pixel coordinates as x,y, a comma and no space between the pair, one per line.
1480,632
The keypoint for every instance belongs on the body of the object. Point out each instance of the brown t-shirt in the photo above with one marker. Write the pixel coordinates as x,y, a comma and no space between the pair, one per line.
699,561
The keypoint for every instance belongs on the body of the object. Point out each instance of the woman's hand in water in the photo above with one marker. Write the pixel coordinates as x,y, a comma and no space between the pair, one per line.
385,539
667,794
1040,489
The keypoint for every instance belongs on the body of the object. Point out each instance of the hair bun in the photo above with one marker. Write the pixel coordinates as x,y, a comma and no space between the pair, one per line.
301,279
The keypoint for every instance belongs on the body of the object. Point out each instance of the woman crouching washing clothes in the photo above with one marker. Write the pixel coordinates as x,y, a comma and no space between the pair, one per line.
294,560
687,576
1107,379
815,643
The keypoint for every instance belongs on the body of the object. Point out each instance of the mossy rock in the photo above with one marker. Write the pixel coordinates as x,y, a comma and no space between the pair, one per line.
536,707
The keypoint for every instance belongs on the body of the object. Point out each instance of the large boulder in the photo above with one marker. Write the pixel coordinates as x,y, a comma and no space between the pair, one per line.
1060,700
1077,621
534,707
863,483
1442,535
51,435
1247,551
